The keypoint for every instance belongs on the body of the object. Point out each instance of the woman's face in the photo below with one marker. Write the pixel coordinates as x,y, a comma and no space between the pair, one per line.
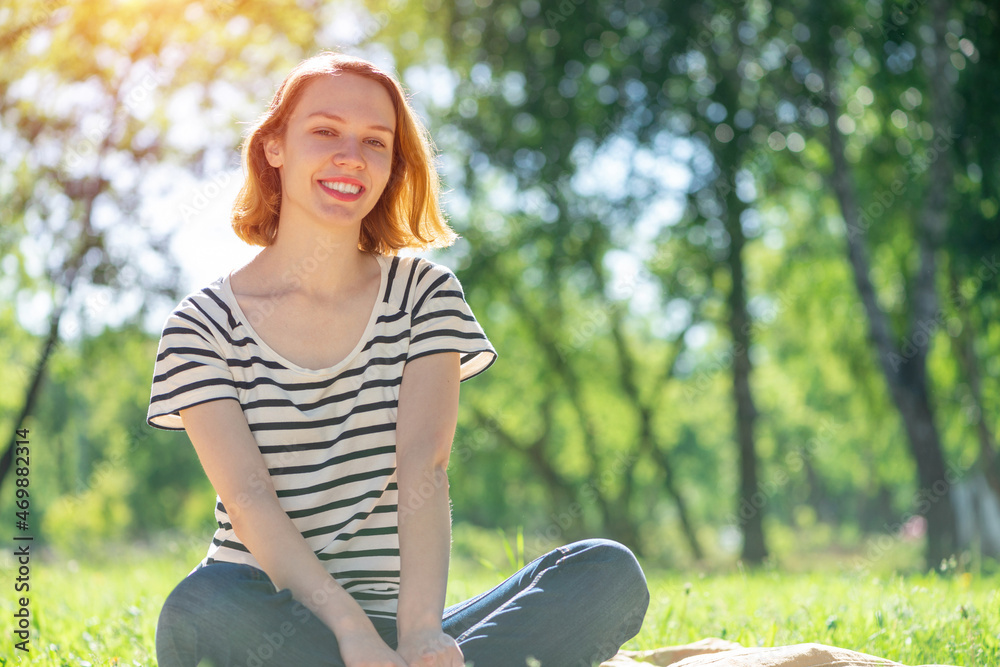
335,157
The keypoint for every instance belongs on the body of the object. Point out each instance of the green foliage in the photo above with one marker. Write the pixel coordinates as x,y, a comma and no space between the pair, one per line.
97,516
611,400
100,471
579,110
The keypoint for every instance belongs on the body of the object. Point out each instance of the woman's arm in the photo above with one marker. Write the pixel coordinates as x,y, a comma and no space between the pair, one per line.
228,452
425,427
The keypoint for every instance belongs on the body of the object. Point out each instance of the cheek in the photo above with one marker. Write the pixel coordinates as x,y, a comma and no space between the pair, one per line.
384,166
313,150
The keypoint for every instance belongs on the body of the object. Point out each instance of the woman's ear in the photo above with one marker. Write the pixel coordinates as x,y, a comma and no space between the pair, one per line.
273,152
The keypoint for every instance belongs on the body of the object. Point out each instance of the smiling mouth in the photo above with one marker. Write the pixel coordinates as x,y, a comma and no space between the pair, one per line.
342,187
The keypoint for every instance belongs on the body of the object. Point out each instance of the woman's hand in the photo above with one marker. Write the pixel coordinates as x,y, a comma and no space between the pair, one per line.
430,648
368,650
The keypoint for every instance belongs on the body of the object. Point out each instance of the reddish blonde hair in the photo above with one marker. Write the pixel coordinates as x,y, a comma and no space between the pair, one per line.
407,215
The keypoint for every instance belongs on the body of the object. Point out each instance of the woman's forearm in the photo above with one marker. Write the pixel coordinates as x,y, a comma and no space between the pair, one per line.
424,547
428,412
285,556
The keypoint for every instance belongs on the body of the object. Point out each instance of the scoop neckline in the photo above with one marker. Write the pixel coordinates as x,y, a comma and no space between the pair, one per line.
230,296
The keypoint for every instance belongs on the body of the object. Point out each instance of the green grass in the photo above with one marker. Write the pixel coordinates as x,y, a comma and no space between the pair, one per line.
103,611
95,611
915,619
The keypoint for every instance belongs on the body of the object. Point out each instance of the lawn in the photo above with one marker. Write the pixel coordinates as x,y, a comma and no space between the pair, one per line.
103,612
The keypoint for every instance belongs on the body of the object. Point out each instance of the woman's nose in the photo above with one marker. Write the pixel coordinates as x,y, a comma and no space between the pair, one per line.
348,154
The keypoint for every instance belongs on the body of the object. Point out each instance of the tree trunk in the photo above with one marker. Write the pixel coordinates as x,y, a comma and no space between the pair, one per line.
730,157
933,500
963,345
669,482
69,275
754,546
87,190
905,367
905,376
31,396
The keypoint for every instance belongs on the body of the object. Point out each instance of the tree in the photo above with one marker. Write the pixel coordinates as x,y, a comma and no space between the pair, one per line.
601,75
973,245
903,359
520,68
83,95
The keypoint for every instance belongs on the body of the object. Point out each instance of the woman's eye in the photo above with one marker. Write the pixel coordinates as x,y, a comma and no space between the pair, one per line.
376,142
324,132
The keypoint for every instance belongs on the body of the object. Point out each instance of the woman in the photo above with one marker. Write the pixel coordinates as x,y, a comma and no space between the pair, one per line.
319,386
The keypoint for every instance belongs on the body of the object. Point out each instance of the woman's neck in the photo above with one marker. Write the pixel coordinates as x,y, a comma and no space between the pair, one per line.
320,263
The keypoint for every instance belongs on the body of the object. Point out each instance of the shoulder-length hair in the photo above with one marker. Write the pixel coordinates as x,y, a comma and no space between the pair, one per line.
407,215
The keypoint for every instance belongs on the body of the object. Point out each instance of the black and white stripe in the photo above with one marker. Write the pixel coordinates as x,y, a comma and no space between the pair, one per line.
328,437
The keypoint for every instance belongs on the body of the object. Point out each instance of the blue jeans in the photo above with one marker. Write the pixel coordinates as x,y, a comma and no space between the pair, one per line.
574,606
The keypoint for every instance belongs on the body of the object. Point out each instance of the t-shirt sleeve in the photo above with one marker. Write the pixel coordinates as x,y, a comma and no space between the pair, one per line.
190,367
441,321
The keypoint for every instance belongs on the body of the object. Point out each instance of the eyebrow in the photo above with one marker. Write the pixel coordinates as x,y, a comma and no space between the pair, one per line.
332,116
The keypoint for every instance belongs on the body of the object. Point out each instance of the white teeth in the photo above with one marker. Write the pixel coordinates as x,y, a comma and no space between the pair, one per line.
340,186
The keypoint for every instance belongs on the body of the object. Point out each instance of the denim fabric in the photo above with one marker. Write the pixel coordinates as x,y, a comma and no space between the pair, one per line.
573,607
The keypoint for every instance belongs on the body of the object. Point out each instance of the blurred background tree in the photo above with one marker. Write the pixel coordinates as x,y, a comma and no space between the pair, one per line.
739,259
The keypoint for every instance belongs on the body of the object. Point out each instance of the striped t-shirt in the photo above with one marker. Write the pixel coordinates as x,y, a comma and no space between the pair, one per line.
328,437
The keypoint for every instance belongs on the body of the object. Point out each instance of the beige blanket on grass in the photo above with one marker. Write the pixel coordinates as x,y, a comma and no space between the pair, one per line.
721,653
